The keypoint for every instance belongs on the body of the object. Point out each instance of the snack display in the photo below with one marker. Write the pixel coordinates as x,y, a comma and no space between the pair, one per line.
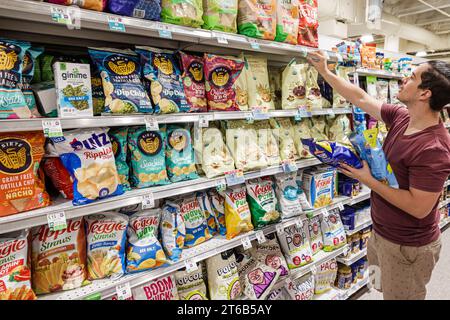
333,231
223,277
258,87
257,18
293,91
287,21
309,23
195,221
194,82
173,230
163,288
238,218
220,15
119,142
185,12
262,202
294,242
191,285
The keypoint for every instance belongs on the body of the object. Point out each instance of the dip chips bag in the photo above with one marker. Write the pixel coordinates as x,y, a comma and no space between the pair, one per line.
194,82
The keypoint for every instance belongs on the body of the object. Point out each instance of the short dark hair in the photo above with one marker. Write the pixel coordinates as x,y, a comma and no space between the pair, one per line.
437,80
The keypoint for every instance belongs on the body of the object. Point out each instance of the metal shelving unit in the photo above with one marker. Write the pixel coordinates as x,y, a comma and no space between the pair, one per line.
378,73
359,228
353,258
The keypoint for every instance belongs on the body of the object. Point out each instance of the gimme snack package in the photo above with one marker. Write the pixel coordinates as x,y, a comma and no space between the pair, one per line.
88,155
58,257
194,82
173,230
118,137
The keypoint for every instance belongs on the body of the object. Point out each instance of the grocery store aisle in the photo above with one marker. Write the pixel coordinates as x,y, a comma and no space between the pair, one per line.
437,288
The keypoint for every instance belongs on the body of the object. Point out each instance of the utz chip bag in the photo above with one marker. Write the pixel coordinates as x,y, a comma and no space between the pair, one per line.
28,67
144,9
97,5
238,218
163,288
258,18
205,205
105,243
15,271
173,230
180,158
220,15
120,71
262,201
185,12
191,285
58,257
21,182
287,21
118,137
217,204
147,154
194,82
166,87
195,221
315,234
223,276
220,75
59,176
294,243
144,250
88,155
309,23
12,101
333,231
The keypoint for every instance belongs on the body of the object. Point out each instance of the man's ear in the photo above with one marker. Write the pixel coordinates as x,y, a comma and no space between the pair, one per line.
425,95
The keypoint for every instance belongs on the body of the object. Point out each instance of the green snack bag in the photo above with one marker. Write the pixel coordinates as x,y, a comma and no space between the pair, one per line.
220,15
262,201
182,12
118,137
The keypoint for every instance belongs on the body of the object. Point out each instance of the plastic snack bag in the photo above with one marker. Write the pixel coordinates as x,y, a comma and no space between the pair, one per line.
163,288
105,243
207,209
315,234
144,250
223,277
173,230
59,176
191,285
287,21
144,9
238,218
258,83
218,206
325,276
270,254
262,201
267,142
194,82
302,131
318,128
220,15
220,75
338,100
97,5
294,243
147,154
288,195
58,257
284,133
257,18
118,137
339,130
16,267
304,288
185,12
28,69
319,186
98,97
88,155
120,71
393,91
333,231
309,23
306,206
195,221
240,87
293,91
313,95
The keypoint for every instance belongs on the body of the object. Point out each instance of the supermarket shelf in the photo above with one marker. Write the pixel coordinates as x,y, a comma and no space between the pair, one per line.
359,228
444,222
139,119
444,203
353,258
344,294
447,183
379,74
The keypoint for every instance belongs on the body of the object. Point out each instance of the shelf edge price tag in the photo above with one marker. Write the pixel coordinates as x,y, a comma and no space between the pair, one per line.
340,206
260,114
246,243
221,185
57,221
346,251
60,15
289,166
148,201
222,39
151,123
325,212
52,128
164,31
203,121
123,291
116,24
249,117
190,265
330,112
302,113
234,177
260,237
299,223
254,44
280,228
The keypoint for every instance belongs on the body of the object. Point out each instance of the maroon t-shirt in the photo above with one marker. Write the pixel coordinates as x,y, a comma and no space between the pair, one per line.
421,161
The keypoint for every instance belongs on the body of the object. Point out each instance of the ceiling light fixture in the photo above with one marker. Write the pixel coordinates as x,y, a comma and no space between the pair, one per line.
421,54
367,38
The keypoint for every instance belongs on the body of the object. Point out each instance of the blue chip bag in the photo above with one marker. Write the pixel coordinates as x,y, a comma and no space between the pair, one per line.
173,230
332,153
370,149
28,67
120,71
180,154
144,9
12,101
118,137
205,205
162,68
218,207
195,221
88,156
147,157
144,250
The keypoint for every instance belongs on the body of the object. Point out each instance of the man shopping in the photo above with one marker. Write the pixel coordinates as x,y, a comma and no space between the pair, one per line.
406,243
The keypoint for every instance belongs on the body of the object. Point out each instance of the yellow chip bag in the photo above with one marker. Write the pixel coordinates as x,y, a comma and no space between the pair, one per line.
238,218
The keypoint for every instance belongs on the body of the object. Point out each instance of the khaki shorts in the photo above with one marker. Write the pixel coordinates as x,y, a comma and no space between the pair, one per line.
405,271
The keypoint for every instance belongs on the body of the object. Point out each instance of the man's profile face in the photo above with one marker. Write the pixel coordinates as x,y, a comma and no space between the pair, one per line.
409,91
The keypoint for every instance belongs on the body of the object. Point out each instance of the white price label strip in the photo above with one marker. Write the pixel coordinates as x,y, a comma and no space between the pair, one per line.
203,121
289,166
221,185
234,177
61,15
57,221
190,265
163,31
148,201
313,269
279,228
249,117
151,123
123,291
325,212
52,128
260,237
330,112
246,243
340,206
254,44
222,40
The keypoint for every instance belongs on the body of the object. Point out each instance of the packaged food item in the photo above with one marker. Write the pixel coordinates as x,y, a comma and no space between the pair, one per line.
144,250
163,288
193,78
287,21
365,235
237,212
185,12
205,204
223,277
262,201
257,18
338,100
293,92
220,15
88,155
303,288
267,142
288,194
15,271
302,131
98,97
340,129
119,142
270,254
259,96
59,176
309,23
284,133
319,187
315,234
173,230
166,87
21,181
368,55
275,86
97,5
393,91
318,128
195,221
144,9
295,245
382,90
120,71
325,276
344,277
240,87
218,206
306,206
147,154
191,285
220,74
58,257
333,231
105,242
355,242
279,294
28,69
313,95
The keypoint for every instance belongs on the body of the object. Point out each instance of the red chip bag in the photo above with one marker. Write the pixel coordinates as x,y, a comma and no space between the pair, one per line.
307,31
97,5
60,177
194,82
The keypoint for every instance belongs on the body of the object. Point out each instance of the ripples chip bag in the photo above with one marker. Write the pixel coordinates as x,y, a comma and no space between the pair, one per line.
173,230
262,201
182,12
148,164
88,155
195,221
220,15
118,137
166,87
120,71
287,21
238,218
144,250
194,82
258,18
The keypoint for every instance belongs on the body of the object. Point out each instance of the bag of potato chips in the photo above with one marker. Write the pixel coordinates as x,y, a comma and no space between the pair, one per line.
173,230
262,201
118,137
194,82
144,250
238,218
88,155
217,204
147,154
105,241
195,221
205,205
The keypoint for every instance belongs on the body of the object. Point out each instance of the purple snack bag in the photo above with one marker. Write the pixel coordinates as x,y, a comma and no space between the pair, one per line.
144,9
